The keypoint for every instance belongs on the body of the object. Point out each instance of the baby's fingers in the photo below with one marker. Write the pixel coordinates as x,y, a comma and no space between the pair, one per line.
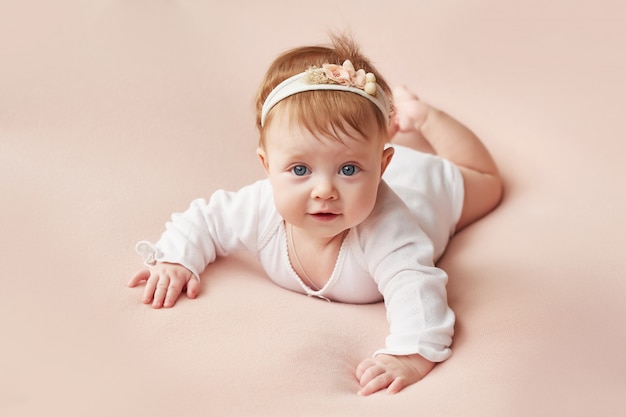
160,291
398,384
140,276
381,381
193,288
150,289
364,366
174,289
372,377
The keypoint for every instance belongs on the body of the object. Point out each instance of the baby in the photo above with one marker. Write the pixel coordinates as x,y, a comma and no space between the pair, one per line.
343,215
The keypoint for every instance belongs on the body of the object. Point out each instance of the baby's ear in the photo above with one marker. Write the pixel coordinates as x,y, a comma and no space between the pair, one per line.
387,155
262,154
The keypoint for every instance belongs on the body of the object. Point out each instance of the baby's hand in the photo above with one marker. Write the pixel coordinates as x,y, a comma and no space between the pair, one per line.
164,283
410,112
391,372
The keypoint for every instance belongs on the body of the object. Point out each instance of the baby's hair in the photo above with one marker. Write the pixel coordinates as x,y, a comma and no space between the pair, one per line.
324,112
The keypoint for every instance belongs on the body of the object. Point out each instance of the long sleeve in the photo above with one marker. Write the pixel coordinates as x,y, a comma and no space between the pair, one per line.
227,222
400,258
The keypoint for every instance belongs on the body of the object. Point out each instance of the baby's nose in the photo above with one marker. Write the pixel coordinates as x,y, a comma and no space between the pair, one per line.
324,190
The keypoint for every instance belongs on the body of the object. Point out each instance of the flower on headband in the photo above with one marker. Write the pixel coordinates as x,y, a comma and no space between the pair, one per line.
344,75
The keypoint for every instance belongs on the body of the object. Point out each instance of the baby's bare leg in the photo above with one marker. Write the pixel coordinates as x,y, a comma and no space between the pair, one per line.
414,140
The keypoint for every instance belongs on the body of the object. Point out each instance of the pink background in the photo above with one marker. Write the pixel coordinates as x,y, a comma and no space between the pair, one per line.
114,114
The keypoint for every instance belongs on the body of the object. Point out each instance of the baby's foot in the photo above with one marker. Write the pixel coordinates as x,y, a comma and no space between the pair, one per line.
410,111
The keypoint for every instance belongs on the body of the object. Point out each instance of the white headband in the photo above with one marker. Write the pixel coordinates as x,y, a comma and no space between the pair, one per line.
329,77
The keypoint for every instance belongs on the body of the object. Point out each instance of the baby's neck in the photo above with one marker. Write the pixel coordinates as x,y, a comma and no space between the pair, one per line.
313,258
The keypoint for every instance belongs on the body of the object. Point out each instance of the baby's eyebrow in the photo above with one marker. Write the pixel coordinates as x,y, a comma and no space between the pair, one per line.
297,155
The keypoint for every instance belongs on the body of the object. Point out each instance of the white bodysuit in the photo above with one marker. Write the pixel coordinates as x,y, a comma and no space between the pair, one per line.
390,256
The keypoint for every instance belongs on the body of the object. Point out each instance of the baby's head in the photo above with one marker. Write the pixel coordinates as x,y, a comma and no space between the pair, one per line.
323,116
324,112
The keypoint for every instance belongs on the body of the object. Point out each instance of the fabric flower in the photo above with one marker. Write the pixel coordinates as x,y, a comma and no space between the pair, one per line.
345,74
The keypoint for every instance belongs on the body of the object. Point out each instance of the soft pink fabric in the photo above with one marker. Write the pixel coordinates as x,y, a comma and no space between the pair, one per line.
114,114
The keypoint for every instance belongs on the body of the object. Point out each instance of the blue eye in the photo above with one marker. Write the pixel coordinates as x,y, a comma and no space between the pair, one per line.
349,170
299,170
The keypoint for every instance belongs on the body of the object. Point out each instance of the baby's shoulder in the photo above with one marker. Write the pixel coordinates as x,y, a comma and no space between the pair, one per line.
390,215
388,205
253,202
391,233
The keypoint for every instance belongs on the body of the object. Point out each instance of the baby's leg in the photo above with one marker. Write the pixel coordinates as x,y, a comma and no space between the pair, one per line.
410,114
450,139
414,140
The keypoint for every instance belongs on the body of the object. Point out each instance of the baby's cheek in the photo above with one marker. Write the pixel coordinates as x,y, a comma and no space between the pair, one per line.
288,206
363,205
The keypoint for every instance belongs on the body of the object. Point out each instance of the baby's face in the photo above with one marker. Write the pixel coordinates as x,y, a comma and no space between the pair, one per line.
322,185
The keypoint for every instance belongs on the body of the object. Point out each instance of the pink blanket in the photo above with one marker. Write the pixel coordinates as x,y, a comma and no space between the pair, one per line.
115,114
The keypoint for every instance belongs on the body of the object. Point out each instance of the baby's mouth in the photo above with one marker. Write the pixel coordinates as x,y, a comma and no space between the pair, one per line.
324,216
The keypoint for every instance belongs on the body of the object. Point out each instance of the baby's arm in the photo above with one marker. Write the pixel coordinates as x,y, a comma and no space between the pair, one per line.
164,284
392,373
453,141
227,222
